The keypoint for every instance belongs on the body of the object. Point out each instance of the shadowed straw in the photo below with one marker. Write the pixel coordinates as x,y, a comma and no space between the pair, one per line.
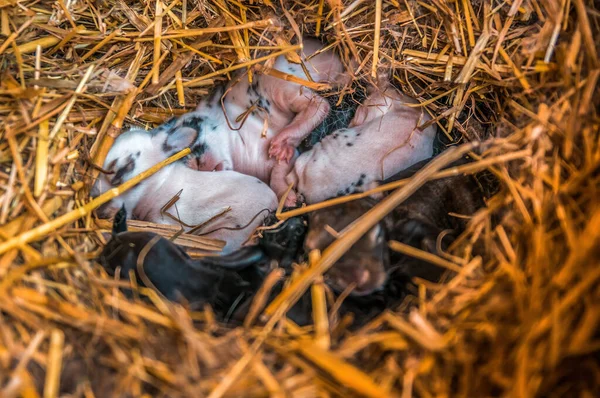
357,229
517,314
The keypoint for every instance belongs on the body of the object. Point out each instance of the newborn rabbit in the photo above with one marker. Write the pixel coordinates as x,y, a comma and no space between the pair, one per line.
255,128
203,195
218,281
418,222
382,140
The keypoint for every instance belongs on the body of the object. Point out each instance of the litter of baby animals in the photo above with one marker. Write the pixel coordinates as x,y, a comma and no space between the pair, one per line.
299,198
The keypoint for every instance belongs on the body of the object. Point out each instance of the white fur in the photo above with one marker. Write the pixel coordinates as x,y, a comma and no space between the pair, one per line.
384,140
204,194
293,112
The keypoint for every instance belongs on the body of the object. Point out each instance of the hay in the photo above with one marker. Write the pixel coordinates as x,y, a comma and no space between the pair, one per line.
519,318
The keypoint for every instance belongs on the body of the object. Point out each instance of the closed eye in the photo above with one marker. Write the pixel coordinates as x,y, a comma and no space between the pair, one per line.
120,173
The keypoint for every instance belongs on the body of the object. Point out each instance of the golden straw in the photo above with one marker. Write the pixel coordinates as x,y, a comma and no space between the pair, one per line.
49,227
377,38
191,83
53,368
63,116
353,232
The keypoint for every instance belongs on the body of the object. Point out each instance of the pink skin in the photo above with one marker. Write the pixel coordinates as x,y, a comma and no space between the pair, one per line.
204,194
299,110
382,141
310,112
292,111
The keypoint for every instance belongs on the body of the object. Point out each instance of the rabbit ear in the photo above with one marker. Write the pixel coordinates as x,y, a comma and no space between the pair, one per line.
120,221
179,138
416,232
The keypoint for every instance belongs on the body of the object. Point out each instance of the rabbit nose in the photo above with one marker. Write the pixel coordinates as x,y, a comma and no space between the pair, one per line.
361,276
106,211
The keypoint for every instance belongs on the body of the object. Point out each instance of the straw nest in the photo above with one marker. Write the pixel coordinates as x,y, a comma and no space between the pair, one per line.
521,316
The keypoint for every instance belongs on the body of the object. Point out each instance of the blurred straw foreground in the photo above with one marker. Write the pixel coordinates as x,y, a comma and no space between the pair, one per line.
521,317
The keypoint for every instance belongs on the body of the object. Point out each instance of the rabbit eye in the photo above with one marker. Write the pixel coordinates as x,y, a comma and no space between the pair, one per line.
111,166
121,172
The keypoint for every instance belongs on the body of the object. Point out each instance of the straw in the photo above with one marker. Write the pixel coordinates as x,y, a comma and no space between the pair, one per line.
354,231
42,230
516,313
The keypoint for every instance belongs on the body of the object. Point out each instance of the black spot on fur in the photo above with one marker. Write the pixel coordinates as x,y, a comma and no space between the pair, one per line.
341,113
263,103
253,90
199,149
335,136
361,180
214,96
349,144
166,147
119,176
193,122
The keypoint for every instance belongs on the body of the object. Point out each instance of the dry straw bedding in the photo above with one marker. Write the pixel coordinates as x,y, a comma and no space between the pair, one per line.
519,319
